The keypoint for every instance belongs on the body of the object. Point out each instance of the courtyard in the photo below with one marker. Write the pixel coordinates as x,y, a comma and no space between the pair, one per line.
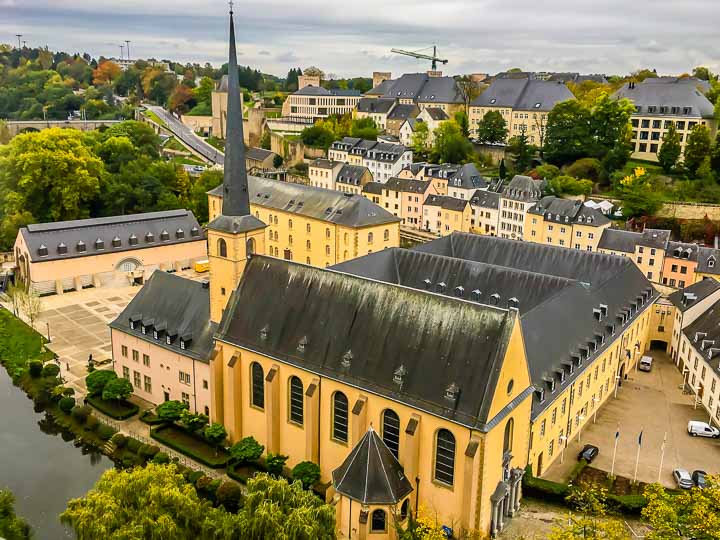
651,402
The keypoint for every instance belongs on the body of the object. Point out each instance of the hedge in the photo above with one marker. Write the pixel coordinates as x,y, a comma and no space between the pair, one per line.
545,489
119,410
233,471
627,504
190,445
150,418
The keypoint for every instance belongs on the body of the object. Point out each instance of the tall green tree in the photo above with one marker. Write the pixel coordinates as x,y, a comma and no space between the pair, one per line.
450,145
364,128
697,148
461,119
12,527
670,151
492,128
568,135
715,156
420,140
521,151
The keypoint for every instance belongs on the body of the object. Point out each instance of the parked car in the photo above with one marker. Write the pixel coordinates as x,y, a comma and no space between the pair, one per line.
683,479
702,429
698,478
645,363
588,453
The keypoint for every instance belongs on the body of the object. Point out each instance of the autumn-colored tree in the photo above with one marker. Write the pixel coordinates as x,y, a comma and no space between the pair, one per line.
591,520
106,72
691,514
180,98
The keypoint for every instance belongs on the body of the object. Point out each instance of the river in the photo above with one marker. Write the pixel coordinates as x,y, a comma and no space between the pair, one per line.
40,464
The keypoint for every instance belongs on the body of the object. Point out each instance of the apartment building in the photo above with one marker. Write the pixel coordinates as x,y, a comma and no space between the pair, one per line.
383,160
422,89
376,109
444,215
524,104
398,115
660,102
323,172
465,181
689,304
313,102
521,194
566,223
484,212
352,179
404,198
261,160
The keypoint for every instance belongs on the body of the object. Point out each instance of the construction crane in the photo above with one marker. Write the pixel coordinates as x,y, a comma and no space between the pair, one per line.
434,58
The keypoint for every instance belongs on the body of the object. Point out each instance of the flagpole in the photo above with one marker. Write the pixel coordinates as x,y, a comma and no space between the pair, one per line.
662,456
637,457
617,436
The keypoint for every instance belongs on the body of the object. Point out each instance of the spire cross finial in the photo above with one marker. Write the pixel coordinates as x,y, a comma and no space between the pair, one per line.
230,3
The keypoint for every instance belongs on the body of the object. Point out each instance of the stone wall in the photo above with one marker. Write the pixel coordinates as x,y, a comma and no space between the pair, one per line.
687,210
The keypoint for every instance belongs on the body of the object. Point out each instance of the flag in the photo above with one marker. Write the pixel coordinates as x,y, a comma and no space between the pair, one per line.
617,433
640,438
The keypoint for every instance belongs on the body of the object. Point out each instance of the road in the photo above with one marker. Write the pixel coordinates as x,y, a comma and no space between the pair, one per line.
186,135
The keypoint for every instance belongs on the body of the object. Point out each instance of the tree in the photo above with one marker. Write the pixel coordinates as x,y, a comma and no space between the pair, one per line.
703,73
317,137
118,388
313,71
715,156
142,136
31,305
420,138
670,151
469,89
116,152
690,514
547,171
193,422
203,91
181,100
640,196
567,136
215,434
96,381
170,411
363,128
697,148
521,151
307,472
12,527
461,119
450,145
492,128
567,185
591,505
229,495
275,463
106,73
502,171
246,450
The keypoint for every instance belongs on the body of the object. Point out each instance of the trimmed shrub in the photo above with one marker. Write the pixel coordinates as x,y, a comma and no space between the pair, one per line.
92,423
119,440
149,417
589,168
194,476
149,451
105,432
627,504
161,458
275,463
229,495
35,368
117,409
133,445
97,380
207,487
544,489
246,450
307,472
50,370
80,413
66,404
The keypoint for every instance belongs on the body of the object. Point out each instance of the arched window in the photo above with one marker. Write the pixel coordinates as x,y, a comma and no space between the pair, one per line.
346,238
345,255
308,227
307,245
250,246
296,400
307,261
386,235
327,233
445,457
377,523
289,223
340,417
508,438
404,509
370,238
391,431
257,394
221,247
290,239
327,250
276,220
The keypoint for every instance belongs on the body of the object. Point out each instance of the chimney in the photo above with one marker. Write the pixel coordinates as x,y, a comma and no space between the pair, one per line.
435,73
379,77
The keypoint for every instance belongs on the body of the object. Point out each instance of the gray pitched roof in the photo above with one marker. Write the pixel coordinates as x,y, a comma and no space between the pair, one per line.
381,89
437,114
522,188
682,250
279,303
322,163
374,188
420,87
556,292
351,174
408,185
386,152
318,203
523,94
486,199
686,298
311,90
708,261
704,335
259,154
345,144
625,241
174,306
80,237
468,177
679,97
371,474
446,203
375,105
568,211
403,111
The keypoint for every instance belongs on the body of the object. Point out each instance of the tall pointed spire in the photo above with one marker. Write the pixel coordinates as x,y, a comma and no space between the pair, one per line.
235,182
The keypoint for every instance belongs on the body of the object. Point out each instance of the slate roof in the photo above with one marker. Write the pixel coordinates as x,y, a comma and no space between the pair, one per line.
371,474
486,199
556,291
625,241
322,163
468,177
704,336
375,105
420,87
374,188
708,261
345,144
437,114
682,250
259,154
351,174
522,188
674,94
386,152
362,331
403,111
686,298
523,94
446,203
79,237
311,90
318,203
174,306
568,211
407,185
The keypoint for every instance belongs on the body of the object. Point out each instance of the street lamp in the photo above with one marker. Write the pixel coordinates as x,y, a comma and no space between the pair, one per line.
563,441
617,383
595,400
686,370
580,420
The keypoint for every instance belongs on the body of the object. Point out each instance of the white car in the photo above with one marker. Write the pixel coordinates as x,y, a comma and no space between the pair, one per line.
702,429
683,479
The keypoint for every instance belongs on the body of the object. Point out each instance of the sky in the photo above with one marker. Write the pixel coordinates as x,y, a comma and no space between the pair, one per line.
354,38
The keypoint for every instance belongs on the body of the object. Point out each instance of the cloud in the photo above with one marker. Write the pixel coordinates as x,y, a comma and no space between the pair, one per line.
288,56
264,53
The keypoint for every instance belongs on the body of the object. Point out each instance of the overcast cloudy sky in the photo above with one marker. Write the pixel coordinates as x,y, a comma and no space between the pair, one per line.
354,38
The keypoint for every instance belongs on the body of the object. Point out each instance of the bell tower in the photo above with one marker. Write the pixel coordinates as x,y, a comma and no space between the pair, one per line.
235,234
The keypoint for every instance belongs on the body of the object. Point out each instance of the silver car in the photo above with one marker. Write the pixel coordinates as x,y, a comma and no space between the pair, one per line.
683,479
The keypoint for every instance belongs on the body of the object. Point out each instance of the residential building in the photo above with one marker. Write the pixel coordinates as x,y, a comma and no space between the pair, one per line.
404,197
521,194
646,249
422,89
566,223
406,132
484,212
373,191
680,264
315,102
352,179
314,225
376,109
660,102
261,160
163,339
383,160
444,215
523,103
433,117
689,304
72,255
465,181
322,173
398,115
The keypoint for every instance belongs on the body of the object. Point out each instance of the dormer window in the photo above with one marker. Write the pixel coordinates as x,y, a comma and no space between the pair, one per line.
62,248
347,359
149,238
264,331
179,234
132,325
42,251
303,344
452,392
133,240
143,329
194,231
711,261
427,283
399,375
476,295
541,395
116,242
80,247
459,291
164,236
182,343
99,244
168,339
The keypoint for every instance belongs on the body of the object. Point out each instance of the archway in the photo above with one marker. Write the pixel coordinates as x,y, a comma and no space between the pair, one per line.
622,374
658,345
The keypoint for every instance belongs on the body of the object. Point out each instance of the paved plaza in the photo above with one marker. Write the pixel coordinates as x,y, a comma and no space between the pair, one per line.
653,403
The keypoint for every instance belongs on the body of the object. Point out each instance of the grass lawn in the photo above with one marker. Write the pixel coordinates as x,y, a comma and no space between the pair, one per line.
173,144
154,117
19,343
216,142
190,445
187,161
117,409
